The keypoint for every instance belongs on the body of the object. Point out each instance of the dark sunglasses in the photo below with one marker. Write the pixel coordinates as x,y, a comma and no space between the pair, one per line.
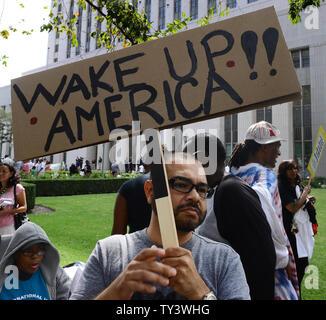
185,185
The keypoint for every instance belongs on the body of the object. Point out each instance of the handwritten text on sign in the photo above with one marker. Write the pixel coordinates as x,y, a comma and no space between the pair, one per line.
228,66
317,152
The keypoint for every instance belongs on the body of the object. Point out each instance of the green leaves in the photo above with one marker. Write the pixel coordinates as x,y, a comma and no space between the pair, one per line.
123,23
4,34
126,24
175,26
3,60
298,6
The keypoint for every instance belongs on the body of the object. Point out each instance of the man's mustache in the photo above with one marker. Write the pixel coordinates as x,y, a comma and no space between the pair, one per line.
188,205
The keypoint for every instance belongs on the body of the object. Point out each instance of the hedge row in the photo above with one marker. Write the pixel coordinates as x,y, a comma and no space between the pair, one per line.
30,190
316,182
74,187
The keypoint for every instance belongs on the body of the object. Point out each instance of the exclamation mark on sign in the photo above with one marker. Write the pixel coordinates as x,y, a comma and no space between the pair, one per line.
270,39
249,41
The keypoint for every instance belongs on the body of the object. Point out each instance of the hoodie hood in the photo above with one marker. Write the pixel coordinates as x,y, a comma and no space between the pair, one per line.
26,235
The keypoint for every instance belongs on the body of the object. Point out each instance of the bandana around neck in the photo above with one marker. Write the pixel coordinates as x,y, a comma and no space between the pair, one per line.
253,173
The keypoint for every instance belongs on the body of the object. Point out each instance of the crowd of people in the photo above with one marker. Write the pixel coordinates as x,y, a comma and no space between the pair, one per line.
34,167
80,168
247,233
38,167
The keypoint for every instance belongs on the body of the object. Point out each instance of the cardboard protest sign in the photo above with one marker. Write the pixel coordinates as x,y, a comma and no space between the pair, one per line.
317,152
233,65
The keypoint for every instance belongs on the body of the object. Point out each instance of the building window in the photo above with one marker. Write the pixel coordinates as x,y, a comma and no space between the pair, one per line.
177,10
88,28
251,1
98,30
148,6
71,13
55,60
161,15
305,60
231,4
211,4
301,58
264,114
56,48
296,58
79,28
194,9
302,128
230,133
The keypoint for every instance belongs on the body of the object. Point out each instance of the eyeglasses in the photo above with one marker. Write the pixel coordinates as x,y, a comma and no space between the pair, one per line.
185,185
30,254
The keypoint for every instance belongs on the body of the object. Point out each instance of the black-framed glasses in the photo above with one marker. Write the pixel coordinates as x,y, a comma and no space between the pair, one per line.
185,185
39,253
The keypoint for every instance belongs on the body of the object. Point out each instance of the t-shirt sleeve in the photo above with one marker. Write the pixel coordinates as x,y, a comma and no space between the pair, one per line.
125,189
92,280
19,188
233,284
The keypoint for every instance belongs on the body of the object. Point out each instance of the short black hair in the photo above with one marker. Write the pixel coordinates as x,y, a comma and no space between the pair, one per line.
170,156
195,142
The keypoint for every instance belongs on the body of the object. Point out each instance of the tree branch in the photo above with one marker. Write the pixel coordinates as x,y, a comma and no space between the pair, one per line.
98,9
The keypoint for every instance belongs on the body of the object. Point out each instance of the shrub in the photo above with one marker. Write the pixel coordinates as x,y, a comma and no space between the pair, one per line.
316,182
30,190
46,187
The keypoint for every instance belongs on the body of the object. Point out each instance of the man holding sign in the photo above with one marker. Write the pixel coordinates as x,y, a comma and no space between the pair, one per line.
134,266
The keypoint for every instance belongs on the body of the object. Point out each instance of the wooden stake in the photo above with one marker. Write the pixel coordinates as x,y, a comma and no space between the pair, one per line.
163,202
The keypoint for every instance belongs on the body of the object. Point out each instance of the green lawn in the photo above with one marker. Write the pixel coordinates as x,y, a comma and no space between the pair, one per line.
319,254
80,221
77,224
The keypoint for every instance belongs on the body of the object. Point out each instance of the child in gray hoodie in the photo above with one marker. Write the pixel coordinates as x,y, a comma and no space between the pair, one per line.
29,267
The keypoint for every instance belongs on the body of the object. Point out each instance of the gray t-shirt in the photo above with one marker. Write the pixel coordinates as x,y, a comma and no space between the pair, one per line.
218,265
